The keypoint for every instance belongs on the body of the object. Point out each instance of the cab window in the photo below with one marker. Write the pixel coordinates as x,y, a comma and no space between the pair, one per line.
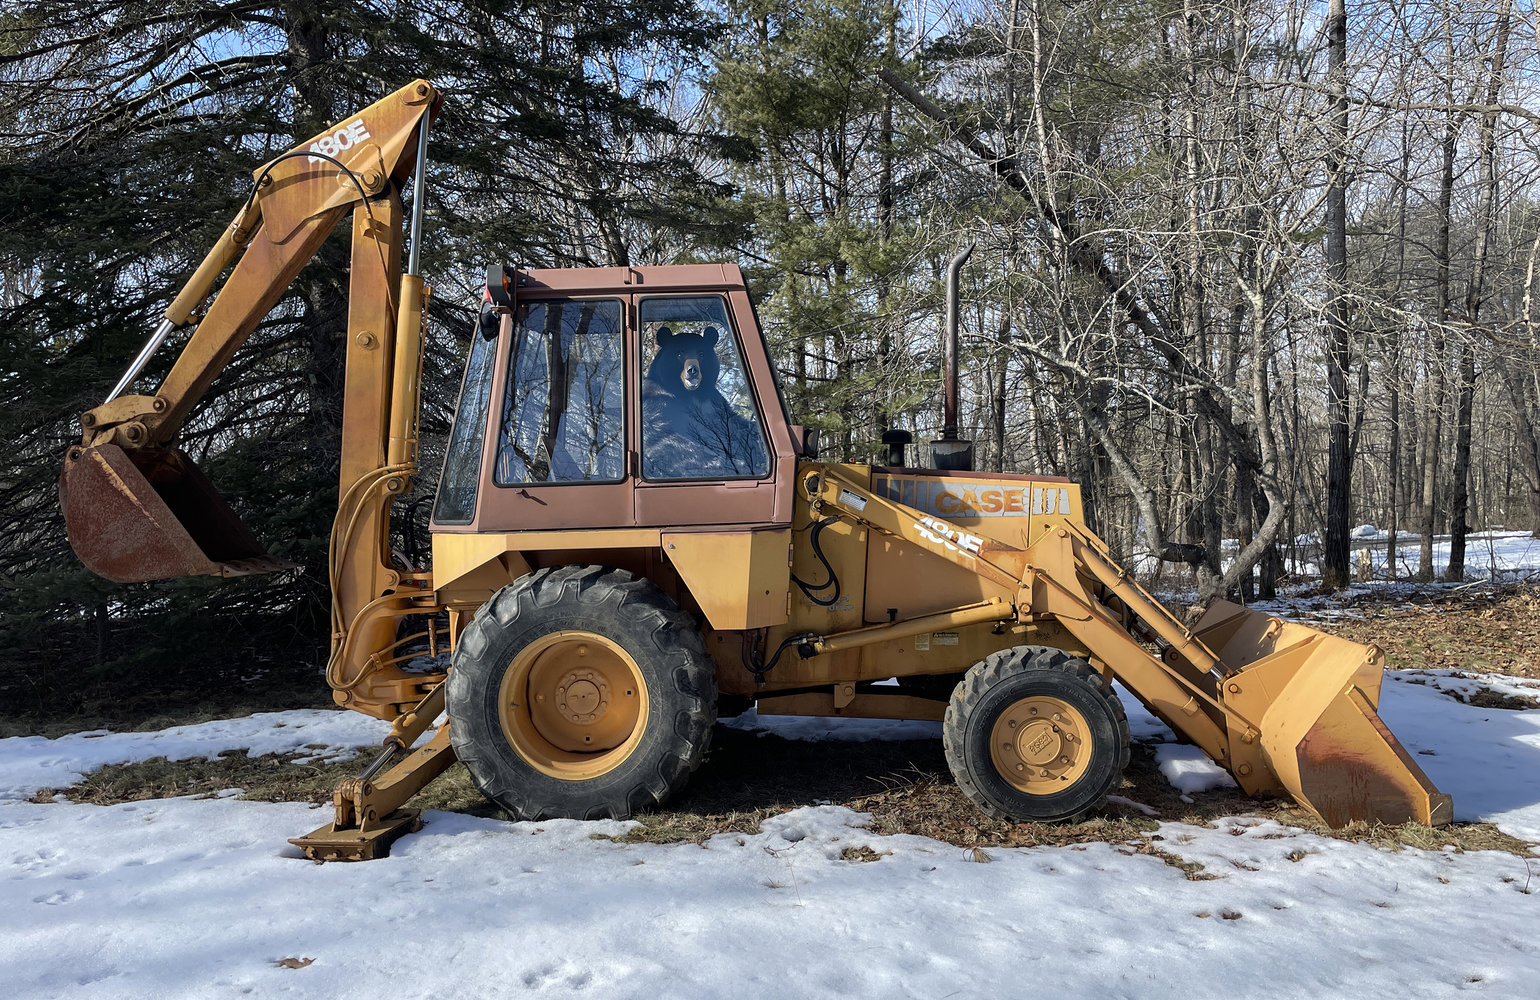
699,419
457,484
563,410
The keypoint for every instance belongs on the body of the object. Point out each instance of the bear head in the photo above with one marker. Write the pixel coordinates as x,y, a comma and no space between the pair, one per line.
685,362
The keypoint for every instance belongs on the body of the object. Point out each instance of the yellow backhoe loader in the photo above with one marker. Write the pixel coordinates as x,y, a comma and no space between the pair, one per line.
628,526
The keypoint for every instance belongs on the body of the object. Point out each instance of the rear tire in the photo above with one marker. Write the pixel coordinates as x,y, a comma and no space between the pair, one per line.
1033,734
581,692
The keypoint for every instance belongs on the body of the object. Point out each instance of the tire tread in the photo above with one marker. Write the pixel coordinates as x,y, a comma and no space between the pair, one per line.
991,671
668,632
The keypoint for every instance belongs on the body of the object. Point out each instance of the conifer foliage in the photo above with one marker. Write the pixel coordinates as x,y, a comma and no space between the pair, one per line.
128,134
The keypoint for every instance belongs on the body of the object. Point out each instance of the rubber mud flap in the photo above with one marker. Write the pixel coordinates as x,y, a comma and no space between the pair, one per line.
153,515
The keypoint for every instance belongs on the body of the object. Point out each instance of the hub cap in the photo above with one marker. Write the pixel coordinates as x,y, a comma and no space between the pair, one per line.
1040,745
573,705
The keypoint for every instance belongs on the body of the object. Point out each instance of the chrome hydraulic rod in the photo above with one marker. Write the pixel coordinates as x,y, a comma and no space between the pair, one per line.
419,189
148,351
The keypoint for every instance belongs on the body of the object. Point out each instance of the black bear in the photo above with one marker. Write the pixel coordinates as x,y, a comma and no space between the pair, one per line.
689,430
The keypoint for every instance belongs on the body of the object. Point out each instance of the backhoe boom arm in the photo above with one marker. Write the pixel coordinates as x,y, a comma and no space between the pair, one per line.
137,508
297,200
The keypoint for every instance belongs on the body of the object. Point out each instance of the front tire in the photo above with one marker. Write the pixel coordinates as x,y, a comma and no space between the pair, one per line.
581,692
1033,734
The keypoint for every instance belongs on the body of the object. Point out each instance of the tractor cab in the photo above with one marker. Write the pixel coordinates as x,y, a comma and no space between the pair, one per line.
629,410
618,398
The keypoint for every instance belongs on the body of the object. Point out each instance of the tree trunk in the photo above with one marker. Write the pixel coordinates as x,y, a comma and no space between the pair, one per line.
1339,474
1459,500
1434,414
1394,472
1486,223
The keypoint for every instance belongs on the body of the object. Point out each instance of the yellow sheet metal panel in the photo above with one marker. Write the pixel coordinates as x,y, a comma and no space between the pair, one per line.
844,545
1012,509
456,556
906,581
1006,508
739,578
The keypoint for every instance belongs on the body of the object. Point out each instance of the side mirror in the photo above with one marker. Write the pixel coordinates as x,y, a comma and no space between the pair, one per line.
805,441
498,290
489,323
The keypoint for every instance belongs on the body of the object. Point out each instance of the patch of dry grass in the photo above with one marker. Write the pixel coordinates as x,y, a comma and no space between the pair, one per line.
1485,697
268,778
747,779
862,854
1486,631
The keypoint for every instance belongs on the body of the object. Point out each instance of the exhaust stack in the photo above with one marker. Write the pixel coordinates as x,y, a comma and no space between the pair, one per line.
951,452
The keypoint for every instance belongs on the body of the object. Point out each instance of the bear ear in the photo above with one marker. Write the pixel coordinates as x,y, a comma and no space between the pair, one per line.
709,335
664,335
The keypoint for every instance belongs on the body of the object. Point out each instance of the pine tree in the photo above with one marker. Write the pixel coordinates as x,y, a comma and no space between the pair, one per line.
128,133
835,202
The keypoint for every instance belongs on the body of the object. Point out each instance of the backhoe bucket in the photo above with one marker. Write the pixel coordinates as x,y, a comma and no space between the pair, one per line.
151,514
1311,701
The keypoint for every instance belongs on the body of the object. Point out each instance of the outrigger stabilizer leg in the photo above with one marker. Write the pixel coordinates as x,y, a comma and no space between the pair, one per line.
369,814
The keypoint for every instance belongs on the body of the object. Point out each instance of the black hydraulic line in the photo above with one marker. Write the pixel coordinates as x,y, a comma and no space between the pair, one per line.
760,670
833,580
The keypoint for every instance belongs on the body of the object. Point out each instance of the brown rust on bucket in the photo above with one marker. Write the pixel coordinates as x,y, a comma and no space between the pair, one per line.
151,514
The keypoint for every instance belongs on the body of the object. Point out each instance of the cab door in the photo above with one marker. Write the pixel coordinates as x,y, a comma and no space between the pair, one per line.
556,447
706,454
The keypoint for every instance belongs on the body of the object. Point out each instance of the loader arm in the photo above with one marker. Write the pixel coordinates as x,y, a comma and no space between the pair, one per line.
137,508
1284,708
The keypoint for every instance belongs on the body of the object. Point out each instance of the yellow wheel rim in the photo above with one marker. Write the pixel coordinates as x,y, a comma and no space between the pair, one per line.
573,705
1040,745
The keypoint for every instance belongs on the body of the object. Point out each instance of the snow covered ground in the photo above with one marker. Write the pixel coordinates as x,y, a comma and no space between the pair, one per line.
28,763
202,898
1503,556
1499,556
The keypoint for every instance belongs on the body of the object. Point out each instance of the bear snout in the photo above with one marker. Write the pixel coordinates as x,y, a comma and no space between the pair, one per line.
691,375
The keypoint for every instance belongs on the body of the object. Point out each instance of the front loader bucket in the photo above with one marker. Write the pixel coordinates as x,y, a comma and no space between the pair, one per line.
151,514
1310,700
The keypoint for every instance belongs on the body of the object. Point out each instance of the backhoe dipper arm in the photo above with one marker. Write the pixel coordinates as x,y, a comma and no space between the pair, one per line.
298,199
